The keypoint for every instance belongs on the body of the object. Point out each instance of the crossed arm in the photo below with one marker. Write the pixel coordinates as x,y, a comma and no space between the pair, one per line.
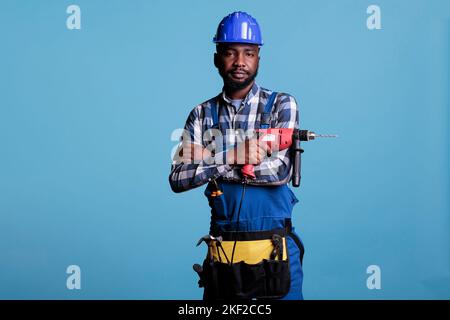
194,164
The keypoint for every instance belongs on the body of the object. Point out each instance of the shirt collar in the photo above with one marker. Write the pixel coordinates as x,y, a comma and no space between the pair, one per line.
254,92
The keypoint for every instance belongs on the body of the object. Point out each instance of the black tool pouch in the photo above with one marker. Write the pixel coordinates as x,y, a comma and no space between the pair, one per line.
267,279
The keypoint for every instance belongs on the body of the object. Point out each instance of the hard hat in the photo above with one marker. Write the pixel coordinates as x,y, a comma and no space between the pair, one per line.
238,27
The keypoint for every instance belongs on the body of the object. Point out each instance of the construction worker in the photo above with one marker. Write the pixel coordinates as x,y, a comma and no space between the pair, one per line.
245,211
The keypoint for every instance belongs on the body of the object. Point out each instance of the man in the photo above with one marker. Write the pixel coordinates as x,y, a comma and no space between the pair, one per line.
255,202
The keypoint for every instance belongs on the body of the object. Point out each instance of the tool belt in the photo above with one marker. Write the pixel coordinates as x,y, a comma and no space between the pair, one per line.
245,265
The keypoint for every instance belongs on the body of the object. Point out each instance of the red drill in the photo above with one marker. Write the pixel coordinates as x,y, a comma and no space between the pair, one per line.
279,139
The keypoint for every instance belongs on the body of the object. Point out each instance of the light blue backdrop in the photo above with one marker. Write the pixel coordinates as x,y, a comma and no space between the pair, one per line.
86,118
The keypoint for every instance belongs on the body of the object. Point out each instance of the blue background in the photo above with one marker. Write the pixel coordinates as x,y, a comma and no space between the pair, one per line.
86,118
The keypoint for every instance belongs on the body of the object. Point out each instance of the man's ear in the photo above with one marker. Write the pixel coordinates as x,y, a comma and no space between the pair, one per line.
216,62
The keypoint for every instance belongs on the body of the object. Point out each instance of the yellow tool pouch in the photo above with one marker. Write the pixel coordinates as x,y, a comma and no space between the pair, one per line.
245,265
250,252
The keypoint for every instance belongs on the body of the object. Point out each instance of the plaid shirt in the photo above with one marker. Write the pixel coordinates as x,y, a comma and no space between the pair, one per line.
273,170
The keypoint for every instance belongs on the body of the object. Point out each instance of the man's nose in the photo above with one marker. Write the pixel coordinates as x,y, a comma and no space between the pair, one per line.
239,61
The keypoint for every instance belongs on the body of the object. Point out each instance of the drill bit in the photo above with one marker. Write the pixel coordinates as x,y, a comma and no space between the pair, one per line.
324,135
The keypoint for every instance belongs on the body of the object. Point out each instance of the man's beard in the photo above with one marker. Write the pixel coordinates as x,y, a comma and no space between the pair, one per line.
237,85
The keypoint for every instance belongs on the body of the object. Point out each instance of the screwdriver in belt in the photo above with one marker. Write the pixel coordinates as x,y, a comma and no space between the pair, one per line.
216,192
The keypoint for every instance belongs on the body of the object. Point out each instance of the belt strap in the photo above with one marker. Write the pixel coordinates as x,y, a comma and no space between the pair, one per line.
254,235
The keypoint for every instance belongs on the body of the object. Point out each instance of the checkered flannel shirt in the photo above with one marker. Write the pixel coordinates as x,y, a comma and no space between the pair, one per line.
273,170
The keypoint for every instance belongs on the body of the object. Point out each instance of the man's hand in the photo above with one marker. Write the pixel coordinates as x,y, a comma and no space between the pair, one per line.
251,151
191,153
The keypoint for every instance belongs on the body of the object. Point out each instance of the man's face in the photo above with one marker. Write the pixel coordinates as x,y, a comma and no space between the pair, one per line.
237,64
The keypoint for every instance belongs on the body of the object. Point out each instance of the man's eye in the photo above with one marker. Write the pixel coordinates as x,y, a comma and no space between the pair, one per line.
249,54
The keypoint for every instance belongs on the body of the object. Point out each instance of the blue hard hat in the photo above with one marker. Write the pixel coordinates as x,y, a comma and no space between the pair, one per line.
238,27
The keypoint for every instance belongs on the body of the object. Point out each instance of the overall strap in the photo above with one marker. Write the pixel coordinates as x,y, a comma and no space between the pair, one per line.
215,117
265,116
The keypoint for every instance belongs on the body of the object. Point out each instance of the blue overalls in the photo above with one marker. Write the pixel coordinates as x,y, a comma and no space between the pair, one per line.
263,208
